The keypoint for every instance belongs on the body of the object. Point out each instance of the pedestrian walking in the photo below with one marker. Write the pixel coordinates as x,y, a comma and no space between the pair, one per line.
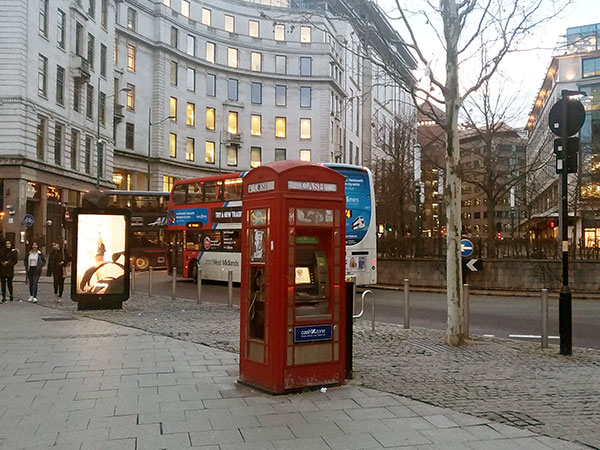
8,259
58,262
34,262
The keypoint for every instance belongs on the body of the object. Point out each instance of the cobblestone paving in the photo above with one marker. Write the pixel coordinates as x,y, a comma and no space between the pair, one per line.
502,380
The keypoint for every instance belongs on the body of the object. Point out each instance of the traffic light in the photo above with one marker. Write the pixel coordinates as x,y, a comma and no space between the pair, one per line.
498,235
552,224
572,154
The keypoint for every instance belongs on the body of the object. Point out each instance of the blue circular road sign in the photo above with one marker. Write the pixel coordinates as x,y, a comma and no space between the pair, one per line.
466,248
28,220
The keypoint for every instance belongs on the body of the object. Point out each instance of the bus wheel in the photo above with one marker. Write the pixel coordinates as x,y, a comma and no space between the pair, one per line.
142,263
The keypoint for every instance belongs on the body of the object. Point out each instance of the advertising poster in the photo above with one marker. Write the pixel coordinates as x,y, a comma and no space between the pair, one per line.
101,253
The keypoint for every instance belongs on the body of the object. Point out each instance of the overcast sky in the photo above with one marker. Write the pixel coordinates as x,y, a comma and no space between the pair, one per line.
526,69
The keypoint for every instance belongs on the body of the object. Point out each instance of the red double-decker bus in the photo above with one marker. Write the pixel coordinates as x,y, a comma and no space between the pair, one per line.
204,222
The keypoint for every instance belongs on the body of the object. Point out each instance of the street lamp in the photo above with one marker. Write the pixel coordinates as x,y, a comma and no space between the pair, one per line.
98,140
150,136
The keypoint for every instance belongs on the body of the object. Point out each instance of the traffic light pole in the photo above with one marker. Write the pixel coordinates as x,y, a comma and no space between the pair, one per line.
565,298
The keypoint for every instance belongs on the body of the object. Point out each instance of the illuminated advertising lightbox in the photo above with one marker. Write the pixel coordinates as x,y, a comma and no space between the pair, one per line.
100,278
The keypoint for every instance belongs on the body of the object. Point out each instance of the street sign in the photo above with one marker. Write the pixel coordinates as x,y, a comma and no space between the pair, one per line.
28,220
474,265
466,248
572,154
574,120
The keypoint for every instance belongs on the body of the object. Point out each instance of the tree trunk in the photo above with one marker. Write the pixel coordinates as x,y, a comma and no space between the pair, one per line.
455,332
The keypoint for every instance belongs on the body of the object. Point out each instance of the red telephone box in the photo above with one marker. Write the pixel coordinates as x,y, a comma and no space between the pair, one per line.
292,329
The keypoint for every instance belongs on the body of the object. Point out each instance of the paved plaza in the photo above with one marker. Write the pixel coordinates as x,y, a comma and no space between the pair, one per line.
162,374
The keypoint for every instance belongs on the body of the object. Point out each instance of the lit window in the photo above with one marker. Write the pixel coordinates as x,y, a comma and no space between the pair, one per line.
280,154
172,145
256,61
210,118
190,149
229,23
305,129
232,57
167,180
280,127
210,52
191,79
206,17
191,45
279,32
256,93
173,73
191,115
167,3
280,95
130,97
305,35
232,122
305,66
173,109
255,156
209,152
304,155
185,8
232,155
280,64
255,125
305,96
253,28
131,58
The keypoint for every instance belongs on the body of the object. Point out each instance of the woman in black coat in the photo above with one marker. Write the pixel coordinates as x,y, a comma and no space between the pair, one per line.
8,259
58,260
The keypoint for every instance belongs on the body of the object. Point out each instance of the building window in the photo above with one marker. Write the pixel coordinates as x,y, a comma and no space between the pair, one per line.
206,17
100,160
41,133
92,8
255,156
280,154
210,52
78,39
131,58
74,148
232,122
279,32
190,149
168,181
305,35
280,95
210,118
91,50
305,66
255,125
305,129
256,93
129,135
174,37
44,18
131,19
256,61
191,79
173,74
88,154
130,97
280,131
185,8
191,45
591,67
190,115
102,108
60,85
89,102
211,85
232,155
43,76
209,152
116,52
232,89
76,96
173,109
229,23
253,28
104,13
305,155
172,145
305,96
281,64
61,28
103,52
232,57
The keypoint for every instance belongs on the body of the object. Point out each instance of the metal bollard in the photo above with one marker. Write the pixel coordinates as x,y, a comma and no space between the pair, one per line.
466,306
544,318
132,279
199,284
230,288
406,306
173,285
373,312
150,280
